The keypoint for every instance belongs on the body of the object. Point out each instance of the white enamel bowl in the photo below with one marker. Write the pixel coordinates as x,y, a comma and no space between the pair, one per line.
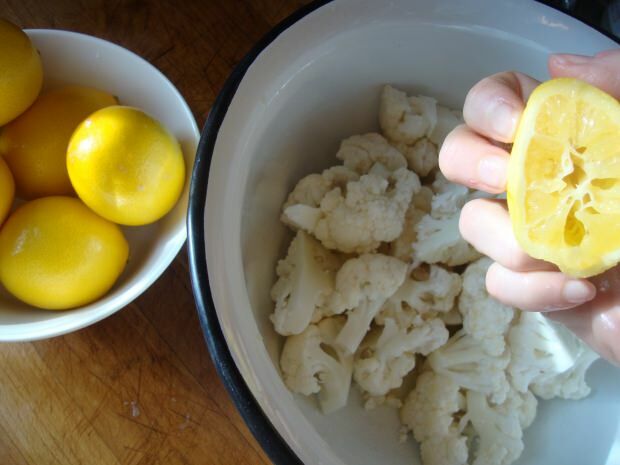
312,82
71,58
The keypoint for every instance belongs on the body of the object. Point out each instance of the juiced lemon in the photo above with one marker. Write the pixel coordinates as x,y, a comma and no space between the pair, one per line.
564,177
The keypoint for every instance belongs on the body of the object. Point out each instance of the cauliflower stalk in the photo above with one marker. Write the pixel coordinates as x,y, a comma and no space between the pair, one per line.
308,369
363,284
484,318
389,354
305,281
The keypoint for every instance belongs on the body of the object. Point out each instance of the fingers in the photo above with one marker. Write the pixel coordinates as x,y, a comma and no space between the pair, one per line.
494,105
485,224
601,70
598,321
537,290
469,159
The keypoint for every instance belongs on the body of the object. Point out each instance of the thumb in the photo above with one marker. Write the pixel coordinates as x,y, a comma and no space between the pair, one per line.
601,70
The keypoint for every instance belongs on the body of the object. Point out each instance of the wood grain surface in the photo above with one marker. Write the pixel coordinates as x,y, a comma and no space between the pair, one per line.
138,387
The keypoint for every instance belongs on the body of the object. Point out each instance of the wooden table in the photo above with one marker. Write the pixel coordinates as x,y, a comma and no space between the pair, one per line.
139,387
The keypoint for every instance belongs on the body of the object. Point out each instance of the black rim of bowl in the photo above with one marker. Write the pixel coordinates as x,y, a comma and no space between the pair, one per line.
272,443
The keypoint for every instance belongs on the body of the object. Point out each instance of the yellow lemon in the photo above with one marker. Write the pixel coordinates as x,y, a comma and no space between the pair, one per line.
35,144
564,177
126,166
56,254
7,190
21,73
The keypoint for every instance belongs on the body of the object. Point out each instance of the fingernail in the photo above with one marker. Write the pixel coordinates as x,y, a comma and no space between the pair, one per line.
566,59
577,292
492,171
504,120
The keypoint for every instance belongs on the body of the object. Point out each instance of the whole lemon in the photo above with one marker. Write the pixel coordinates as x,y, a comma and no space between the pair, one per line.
7,190
126,166
21,73
35,144
56,254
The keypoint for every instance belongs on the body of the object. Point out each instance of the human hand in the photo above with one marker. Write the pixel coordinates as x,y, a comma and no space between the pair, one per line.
474,154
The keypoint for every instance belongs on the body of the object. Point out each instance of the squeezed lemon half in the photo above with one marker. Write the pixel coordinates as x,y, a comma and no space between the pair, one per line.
564,177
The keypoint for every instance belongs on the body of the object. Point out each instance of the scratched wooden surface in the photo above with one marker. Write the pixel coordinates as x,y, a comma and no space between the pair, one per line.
139,387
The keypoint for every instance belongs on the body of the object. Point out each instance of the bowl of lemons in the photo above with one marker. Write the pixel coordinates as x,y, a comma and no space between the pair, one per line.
95,147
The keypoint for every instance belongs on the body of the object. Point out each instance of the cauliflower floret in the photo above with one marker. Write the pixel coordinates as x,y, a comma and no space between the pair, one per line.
388,354
363,284
418,301
523,403
450,200
308,369
572,383
484,318
464,360
402,246
311,189
406,119
360,153
548,358
431,407
444,450
452,318
422,156
499,431
447,120
439,241
370,212
305,281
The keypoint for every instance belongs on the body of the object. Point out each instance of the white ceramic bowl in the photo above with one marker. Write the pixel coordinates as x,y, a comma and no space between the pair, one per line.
71,58
314,81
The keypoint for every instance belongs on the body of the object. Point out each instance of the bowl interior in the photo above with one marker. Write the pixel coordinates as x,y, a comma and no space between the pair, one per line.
316,84
71,58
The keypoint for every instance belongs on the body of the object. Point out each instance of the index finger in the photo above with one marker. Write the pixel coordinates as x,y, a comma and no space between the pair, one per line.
494,105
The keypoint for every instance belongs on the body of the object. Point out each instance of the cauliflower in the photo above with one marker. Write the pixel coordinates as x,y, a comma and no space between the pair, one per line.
371,211
360,153
431,407
484,318
312,188
444,450
439,241
363,284
416,302
388,354
447,120
431,411
524,403
305,281
547,358
308,369
402,246
452,318
422,156
499,430
406,119
464,360
572,383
